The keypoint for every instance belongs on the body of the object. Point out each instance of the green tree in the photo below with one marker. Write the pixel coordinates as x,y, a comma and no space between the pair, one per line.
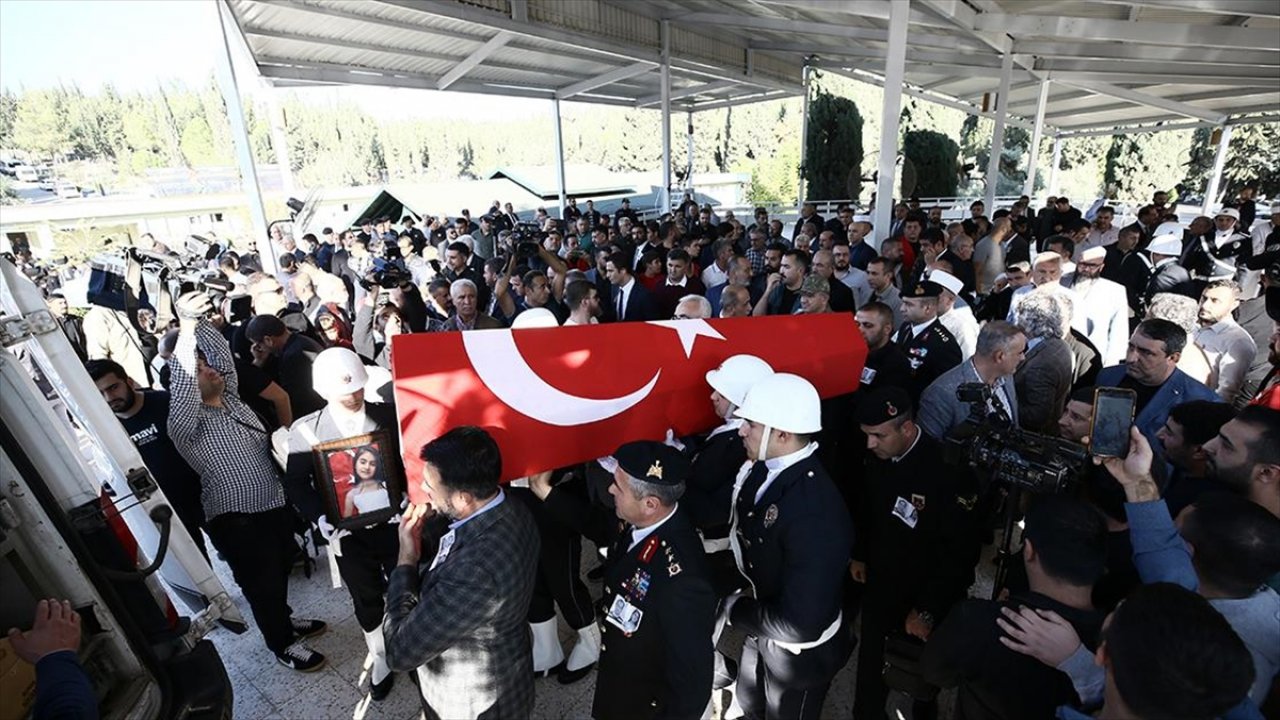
936,158
833,148
8,114
1253,156
1141,163
40,124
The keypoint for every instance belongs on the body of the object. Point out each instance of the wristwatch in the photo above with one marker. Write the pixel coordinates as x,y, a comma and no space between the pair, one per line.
926,617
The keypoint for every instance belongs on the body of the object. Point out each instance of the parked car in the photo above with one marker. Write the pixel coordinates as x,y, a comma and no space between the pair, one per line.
67,191
26,173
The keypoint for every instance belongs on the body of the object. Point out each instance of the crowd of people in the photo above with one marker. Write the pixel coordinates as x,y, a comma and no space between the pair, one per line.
816,528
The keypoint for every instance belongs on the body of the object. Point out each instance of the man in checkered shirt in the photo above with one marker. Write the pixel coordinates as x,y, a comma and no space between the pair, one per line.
248,519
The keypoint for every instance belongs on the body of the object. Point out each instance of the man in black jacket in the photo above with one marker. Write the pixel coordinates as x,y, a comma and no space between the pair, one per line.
656,652
791,537
1064,550
294,354
916,544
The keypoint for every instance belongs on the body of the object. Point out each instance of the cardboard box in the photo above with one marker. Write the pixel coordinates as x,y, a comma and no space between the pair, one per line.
17,683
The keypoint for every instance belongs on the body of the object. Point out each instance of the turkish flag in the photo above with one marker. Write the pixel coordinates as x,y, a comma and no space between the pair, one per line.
553,397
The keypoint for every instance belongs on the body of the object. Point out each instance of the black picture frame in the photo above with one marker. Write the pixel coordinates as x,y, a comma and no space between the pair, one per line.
339,465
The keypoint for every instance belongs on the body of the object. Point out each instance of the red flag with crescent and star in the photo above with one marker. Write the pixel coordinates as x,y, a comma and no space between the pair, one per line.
553,397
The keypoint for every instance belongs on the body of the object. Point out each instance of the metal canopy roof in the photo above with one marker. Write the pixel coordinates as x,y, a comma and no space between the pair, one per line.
1111,63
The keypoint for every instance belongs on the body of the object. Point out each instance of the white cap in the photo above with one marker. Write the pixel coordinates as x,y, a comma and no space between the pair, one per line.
336,372
535,318
947,280
1169,228
1275,208
736,375
1229,212
1169,244
862,218
1097,252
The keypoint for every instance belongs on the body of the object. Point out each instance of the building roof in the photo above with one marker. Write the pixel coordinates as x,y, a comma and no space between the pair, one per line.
579,179
1111,63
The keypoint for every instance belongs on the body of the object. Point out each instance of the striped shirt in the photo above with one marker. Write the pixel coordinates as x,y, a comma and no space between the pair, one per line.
226,445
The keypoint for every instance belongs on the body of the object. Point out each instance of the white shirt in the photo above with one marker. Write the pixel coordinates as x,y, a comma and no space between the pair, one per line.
639,534
856,280
714,276
964,326
1096,238
776,465
1230,351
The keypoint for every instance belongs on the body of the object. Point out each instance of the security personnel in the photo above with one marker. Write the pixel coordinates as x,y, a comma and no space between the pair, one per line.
930,347
792,539
365,556
917,544
659,609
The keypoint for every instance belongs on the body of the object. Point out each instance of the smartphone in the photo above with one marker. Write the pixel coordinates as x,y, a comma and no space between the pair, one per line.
1112,417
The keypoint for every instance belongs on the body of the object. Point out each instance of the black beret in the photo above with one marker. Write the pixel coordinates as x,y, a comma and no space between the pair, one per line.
882,405
653,462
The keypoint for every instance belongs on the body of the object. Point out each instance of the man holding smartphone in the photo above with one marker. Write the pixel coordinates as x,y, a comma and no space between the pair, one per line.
1151,372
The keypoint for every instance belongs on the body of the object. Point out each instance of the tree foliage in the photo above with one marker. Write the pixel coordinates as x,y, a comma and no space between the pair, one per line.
833,147
1253,156
1142,163
937,161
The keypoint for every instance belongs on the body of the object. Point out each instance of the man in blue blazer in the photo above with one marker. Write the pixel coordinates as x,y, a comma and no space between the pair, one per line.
1151,370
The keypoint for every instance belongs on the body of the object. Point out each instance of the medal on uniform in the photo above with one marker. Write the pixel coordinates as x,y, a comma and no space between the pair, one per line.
918,501
624,616
770,515
868,376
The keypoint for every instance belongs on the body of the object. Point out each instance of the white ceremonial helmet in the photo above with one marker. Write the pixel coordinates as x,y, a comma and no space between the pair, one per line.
336,372
736,375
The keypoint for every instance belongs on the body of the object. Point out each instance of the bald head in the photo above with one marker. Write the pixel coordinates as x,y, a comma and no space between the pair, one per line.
735,301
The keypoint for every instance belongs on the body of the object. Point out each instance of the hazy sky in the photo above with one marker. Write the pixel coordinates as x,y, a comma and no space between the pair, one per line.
135,44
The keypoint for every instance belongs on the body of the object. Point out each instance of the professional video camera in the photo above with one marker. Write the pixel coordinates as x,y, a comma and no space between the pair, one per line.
386,276
989,441
526,238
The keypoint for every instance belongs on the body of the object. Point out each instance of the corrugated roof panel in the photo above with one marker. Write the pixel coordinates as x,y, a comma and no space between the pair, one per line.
517,54
308,52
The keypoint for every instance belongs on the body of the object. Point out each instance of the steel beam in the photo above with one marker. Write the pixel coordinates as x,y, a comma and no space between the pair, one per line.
1153,101
867,76
1219,162
1150,33
703,89
666,116
1033,153
613,76
559,146
475,58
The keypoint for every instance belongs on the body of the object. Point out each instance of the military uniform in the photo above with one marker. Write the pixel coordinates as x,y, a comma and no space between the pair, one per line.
930,352
708,497
917,536
658,609
793,545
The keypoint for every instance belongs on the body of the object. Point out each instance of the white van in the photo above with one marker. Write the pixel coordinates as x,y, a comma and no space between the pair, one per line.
82,519
26,173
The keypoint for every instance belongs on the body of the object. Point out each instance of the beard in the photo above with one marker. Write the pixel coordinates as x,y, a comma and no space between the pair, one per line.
1236,479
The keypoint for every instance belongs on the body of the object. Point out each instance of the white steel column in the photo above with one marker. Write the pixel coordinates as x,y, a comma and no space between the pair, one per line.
805,73
688,179
555,114
1219,162
1053,169
244,148
1034,156
894,65
280,142
997,135
666,117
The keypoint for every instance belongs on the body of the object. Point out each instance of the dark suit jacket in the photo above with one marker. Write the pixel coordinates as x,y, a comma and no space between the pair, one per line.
1171,278
640,305
463,623
816,219
1043,382
293,373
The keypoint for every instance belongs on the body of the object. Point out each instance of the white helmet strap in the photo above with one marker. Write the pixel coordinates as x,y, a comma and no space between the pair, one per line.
763,453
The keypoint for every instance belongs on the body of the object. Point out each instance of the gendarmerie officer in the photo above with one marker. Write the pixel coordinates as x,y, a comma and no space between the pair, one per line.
930,347
365,556
658,606
792,538
916,544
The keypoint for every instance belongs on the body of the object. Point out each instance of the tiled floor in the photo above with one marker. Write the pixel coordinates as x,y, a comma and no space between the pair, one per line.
264,690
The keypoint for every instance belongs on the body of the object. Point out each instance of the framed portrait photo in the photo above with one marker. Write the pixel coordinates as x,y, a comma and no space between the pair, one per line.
360,480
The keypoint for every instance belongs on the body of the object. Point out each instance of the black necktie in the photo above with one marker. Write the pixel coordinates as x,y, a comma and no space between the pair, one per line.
750,486
621,307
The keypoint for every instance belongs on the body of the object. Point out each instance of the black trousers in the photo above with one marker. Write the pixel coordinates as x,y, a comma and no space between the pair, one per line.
367,559
764,696
879,618
260,549
559,578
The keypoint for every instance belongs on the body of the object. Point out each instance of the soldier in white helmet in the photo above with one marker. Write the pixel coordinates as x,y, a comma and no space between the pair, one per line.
792,539
365,556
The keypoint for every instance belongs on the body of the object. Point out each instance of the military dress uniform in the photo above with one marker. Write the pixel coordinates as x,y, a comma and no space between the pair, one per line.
917,536
717,458
793,543
658,609
932,351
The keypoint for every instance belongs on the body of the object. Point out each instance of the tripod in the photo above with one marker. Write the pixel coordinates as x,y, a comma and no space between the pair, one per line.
1004,551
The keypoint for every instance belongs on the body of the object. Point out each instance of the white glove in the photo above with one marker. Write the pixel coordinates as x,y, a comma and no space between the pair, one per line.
671,441
726,610
608,463
329,532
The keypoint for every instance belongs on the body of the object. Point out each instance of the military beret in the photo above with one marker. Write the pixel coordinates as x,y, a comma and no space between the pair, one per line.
926,289
815,284
653,462
882,405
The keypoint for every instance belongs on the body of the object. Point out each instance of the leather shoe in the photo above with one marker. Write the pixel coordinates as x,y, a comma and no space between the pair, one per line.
567,677
380,691
550,671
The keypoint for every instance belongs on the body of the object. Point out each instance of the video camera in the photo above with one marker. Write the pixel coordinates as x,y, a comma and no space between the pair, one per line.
526,238
989,441
388,276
